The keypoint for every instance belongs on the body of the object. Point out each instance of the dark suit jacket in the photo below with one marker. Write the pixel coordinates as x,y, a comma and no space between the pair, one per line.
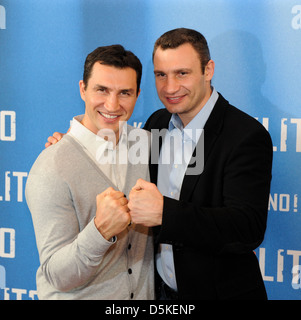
222,212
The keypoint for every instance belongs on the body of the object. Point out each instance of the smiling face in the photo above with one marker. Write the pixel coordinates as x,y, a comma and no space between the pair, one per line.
181,85
110,96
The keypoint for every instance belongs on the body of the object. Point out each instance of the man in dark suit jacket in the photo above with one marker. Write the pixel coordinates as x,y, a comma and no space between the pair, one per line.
220,215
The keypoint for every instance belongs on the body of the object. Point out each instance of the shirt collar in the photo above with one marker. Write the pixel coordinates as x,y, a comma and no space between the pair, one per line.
92,142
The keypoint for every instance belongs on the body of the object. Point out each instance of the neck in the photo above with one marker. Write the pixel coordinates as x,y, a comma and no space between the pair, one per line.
105,133
187,117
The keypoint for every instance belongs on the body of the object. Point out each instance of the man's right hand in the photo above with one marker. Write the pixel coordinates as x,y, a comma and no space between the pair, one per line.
112,213
56,137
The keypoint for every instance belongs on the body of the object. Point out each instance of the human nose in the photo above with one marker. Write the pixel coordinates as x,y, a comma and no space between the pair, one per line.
171,85
112,103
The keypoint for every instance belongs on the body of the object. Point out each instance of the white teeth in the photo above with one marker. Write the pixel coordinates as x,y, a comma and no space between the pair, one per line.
108,116
175,98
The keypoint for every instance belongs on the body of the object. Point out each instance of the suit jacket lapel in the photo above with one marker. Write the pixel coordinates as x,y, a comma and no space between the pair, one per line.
162,123
212,130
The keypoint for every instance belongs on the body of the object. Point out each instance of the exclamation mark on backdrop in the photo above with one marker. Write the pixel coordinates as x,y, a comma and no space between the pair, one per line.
295,203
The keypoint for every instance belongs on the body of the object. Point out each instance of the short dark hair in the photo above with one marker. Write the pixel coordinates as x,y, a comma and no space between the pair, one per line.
174,38
115,56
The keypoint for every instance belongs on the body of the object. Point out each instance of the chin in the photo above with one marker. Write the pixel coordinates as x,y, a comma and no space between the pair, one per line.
174,109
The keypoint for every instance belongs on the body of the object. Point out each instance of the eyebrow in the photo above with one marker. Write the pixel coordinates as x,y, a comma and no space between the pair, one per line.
174,71
128,90
99,86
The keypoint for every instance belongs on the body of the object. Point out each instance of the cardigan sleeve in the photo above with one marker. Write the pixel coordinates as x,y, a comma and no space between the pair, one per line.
69,256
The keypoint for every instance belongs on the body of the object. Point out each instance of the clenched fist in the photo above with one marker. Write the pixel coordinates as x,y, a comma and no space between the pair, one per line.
146,204
112,213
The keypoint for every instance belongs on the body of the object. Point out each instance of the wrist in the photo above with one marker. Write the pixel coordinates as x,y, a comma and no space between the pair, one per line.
103,231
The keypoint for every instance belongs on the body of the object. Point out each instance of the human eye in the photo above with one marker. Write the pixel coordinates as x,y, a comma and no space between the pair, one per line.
101,89
126,93
160,75
183,73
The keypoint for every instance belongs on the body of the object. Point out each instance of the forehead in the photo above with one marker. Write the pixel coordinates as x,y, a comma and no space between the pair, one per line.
184,56
111,76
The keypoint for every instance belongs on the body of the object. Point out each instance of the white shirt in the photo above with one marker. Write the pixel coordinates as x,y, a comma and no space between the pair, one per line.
102,152
176,151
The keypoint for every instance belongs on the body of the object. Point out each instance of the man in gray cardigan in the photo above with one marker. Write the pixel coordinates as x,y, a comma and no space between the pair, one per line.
76,192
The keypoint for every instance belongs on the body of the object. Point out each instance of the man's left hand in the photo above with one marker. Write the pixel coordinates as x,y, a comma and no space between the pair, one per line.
146,204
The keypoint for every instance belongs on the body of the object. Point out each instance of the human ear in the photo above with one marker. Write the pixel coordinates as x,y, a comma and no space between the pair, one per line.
82,89
209,70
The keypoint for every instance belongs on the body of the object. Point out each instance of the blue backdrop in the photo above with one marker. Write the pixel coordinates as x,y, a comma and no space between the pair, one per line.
43,44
